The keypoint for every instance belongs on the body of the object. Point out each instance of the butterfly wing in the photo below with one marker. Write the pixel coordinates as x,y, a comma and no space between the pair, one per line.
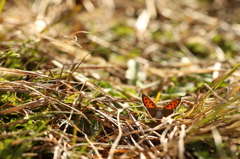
169,108
150,105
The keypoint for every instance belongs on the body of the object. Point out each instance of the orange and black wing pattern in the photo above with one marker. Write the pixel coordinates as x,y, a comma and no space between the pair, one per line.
169,108
150,105
155,112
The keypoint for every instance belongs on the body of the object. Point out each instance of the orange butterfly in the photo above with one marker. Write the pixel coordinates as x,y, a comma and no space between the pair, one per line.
157,113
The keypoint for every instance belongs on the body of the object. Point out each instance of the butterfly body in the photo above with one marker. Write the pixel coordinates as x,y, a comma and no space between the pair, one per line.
157,113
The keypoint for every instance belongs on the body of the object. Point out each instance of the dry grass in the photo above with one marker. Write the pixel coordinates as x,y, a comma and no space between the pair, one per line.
72,74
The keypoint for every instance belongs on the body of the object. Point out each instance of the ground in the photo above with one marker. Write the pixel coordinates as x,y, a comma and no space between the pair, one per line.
73,73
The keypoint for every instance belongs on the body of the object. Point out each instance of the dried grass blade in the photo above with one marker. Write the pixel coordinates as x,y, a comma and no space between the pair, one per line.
114,145
37,103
